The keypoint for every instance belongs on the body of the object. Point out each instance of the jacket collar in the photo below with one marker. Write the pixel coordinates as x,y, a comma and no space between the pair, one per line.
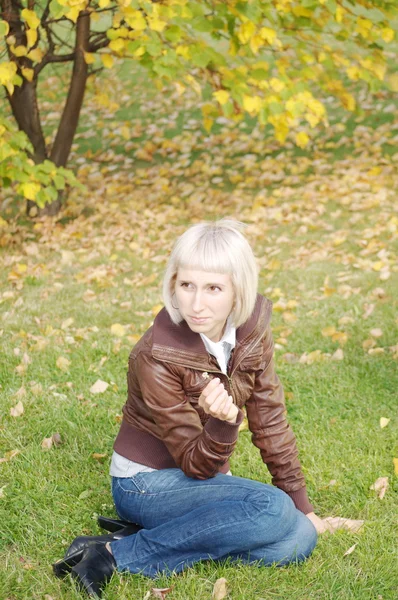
180,345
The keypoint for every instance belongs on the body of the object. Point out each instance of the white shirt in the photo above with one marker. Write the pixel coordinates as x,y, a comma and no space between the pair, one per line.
123,467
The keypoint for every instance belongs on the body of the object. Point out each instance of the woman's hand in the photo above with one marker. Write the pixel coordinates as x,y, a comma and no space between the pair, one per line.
319,525
216,402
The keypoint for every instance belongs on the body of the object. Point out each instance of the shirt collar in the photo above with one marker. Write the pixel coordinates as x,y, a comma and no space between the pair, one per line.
229,337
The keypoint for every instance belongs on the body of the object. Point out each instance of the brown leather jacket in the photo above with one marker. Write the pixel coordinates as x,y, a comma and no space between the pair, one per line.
163,426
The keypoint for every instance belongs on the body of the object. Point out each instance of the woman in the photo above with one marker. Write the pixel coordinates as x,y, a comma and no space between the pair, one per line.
207,355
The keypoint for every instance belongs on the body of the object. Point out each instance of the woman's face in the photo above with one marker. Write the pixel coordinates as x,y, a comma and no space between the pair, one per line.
205,300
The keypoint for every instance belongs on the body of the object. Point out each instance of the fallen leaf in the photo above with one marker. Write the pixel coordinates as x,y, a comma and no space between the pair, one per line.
17,410
47,443
99,387
335,523
375,351
350,550
395,463
56,438
2,490
220,589
118,330
377,332
67,323
328,331
63,363
160,592
290,358
338,355
9,455
380,486
21,393
98,456
369,308
384,422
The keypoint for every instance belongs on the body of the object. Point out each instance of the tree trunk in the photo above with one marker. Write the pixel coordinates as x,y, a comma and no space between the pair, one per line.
70,116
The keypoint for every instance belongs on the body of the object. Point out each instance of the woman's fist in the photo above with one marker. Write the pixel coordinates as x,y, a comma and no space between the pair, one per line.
216,402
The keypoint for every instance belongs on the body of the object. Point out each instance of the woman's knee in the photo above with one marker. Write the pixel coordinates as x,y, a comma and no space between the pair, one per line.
306,537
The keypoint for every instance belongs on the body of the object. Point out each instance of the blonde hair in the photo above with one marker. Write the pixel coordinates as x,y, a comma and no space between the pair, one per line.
217,247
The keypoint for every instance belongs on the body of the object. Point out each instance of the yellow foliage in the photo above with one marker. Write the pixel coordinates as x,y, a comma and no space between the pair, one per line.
29,190
36,55
393,82
104,3
156,24
27,73
268,35
340,12
302,139
135,19
4,27
222,96
89,58
19,50
107,60
246,31
30,17
277,84
117,45
31,37
363,27
255,43
387,34
184,52
8,71
252,104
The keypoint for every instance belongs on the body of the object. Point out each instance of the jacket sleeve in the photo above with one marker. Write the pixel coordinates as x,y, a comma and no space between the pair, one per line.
271,433
198,450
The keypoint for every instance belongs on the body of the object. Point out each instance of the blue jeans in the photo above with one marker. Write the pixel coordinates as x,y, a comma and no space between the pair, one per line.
187,520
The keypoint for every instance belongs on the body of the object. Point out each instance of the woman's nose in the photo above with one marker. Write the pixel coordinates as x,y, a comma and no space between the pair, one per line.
197,305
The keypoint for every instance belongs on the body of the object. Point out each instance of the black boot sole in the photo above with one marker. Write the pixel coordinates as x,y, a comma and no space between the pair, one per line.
64,566
112,525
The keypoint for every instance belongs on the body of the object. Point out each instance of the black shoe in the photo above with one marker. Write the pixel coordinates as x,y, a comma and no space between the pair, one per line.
112,525
75,551
94,570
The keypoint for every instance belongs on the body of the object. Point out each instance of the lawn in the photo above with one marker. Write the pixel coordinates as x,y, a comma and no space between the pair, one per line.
77,293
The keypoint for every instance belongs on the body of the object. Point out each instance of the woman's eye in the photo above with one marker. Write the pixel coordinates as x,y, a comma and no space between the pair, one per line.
215,288
185,284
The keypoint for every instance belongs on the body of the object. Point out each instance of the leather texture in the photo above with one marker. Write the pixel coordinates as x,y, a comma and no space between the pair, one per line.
165,380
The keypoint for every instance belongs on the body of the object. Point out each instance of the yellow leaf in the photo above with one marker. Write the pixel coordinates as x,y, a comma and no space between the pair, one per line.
30,17
21,268
339,13
31,37
269,35
222,96
338,355
8,71
395,461
156,24
98,455
393,82
136,21
117,45
89,58
19,50
387,34
118,330
363,27
104,3
252,104
36,55
255,43
29,190
302,139
384,422
4,28
328,331
246,31
63,363
73,13
107,60
27,73
17,410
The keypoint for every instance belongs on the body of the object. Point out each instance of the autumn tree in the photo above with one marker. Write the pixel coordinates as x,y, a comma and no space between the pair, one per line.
278,60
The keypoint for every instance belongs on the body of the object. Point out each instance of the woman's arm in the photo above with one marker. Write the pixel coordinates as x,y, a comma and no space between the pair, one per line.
272,434
198,450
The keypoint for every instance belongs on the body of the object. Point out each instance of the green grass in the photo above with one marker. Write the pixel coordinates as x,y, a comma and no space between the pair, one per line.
50,496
